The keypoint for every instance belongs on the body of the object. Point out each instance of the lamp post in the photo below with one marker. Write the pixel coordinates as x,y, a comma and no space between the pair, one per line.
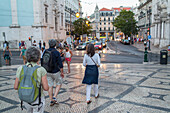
0,57
149,13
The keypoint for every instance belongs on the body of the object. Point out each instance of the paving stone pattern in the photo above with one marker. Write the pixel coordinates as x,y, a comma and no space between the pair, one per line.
123,88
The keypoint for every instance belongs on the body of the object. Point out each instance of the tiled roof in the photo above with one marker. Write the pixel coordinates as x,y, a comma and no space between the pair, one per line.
105,9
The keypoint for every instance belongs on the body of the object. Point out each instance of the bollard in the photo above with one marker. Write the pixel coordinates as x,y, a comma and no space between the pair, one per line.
0,58
146,55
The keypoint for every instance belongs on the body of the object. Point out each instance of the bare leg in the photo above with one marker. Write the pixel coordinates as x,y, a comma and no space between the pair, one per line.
57,89
6,61
50,92
24,62
68,66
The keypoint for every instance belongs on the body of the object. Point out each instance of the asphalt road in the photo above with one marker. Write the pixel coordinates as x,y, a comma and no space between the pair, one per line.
121,54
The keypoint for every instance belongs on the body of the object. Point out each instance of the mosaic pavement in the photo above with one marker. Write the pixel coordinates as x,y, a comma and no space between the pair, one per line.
123,88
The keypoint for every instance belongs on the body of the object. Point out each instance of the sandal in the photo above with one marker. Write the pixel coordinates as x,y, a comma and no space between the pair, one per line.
52,103
88,102
55,100
97,96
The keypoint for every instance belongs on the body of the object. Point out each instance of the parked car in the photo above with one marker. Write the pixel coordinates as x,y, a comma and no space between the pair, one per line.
98,45
126,41
81,46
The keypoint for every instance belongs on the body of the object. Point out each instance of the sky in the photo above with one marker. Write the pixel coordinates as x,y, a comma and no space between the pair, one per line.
88,6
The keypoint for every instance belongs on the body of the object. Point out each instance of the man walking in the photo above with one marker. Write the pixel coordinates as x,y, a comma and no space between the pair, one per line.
56,72
40,44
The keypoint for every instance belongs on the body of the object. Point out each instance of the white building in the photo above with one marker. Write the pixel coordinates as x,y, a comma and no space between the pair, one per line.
71,8
160,29
39,19
101,22
144,18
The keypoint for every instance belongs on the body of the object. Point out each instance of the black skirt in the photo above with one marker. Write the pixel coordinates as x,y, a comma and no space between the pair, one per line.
91,75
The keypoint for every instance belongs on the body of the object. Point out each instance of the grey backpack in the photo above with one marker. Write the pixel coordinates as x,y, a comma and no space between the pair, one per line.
28,89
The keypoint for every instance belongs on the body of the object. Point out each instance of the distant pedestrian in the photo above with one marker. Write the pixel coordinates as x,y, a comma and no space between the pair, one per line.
91,61
42,52
44,44
65,44
62,55
169,50
19,45
34,43
30,82
23,51
40,44
6,55
55,72
68,56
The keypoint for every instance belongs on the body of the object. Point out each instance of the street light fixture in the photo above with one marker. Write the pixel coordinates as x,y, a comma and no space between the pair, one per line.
77,14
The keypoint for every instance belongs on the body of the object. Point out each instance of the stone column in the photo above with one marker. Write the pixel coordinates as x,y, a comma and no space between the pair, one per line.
14,13
162,30
37,12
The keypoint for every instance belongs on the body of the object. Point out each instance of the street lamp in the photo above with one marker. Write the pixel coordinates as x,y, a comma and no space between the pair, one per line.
77,14
149,13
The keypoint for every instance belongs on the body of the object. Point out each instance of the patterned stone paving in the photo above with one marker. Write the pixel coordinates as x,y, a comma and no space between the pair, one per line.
123,88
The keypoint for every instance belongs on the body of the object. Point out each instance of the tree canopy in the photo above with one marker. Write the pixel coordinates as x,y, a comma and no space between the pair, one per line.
126,23
80,27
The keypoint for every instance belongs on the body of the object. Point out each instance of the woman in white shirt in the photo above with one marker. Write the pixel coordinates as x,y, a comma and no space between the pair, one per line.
68,56
91,61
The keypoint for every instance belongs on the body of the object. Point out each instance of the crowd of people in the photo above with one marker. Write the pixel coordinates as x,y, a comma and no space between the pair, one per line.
50,72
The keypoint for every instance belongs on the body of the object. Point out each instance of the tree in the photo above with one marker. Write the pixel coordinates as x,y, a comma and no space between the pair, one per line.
80,27
126,23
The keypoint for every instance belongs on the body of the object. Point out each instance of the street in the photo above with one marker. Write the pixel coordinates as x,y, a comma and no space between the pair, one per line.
124,54
125,84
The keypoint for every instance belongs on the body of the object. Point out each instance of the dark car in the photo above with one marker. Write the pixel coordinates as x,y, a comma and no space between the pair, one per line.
81,46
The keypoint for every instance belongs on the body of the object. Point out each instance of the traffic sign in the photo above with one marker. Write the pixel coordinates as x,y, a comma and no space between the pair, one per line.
149,37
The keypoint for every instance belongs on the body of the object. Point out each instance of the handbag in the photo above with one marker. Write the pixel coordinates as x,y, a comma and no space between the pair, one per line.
95,62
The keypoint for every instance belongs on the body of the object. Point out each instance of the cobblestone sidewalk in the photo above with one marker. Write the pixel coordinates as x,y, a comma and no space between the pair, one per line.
123,88
154,49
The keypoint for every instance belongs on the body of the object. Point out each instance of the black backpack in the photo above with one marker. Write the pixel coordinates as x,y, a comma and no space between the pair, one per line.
48,61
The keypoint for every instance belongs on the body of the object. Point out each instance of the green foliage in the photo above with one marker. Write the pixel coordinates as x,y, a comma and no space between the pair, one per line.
80,27
126,23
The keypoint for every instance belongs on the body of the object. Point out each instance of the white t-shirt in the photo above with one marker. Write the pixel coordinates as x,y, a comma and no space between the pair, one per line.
88,61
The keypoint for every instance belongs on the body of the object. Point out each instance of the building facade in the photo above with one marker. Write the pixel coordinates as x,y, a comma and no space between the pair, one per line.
38,19
71,8
160,28
144,18
101,22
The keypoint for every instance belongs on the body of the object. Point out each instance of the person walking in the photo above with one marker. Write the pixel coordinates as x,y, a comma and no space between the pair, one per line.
91,61
40,44
44,44
62,55
23,51
68,56
42,52
6,55
56,73
19,45
34,43
33,57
